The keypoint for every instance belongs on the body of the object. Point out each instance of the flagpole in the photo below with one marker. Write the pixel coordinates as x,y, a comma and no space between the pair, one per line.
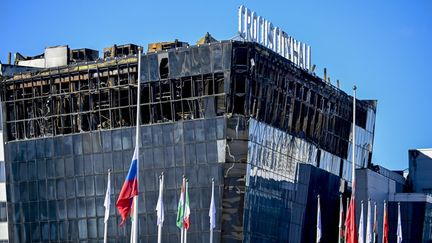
375,234
385,222
354,140
135,212
160,224
186,193
182,197
107,206
361,226
212,201
369,223
340,217
318,225
399,227
347,208
353,220
384,216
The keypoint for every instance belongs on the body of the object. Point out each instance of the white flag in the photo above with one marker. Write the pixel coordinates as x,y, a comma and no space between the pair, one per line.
107,202
212,211
399,227
318,231
160,204
361,226
369,225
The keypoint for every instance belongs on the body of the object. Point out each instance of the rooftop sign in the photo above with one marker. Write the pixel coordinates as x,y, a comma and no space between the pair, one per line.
253,27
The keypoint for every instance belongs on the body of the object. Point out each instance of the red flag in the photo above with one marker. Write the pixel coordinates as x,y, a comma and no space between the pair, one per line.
385,225
350,225
129,190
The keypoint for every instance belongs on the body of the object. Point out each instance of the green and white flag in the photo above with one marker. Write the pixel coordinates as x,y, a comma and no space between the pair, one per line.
180,208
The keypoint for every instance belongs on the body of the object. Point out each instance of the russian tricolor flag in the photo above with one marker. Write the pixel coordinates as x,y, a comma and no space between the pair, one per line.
129,189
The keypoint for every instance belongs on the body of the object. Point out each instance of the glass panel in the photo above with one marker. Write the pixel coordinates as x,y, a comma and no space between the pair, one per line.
77,144
97,142
71,208
59,167
98,164
90,204
61,189
69,166
106,141
82,228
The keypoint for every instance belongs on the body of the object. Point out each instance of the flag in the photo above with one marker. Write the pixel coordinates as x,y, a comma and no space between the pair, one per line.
341,218
186,220
129,189
375,226
385,225
318,226
107,202
160,205
180,208
351,236
361,226
212,211
369,229
399,227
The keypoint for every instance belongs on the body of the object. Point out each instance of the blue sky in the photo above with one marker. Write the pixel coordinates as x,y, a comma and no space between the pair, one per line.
384,47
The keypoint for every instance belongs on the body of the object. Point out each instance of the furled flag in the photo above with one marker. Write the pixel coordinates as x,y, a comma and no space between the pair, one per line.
180,208
129,189
369,229
399,227
318,225
212,211
351,236
160,205
107,202
361,226
385,225
375,226
186,220
341,224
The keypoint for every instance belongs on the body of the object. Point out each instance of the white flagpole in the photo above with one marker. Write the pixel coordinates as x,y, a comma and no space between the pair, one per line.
135,212
160,208
318,224
340,217
186,193
212,213
183,196
399,227
354,141
369,229
361,226
107,205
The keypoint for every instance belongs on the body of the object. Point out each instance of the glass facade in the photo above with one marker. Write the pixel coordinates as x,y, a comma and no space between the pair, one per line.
282,182
57,185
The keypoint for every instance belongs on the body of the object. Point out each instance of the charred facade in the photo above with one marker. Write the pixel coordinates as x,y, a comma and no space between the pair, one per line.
271,134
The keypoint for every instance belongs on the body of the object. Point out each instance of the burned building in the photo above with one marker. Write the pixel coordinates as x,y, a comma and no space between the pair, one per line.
272,134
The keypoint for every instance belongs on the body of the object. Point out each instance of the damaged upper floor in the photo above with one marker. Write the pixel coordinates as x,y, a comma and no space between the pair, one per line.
183,83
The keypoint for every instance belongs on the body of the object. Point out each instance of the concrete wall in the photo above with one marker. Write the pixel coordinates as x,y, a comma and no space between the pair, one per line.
420,170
